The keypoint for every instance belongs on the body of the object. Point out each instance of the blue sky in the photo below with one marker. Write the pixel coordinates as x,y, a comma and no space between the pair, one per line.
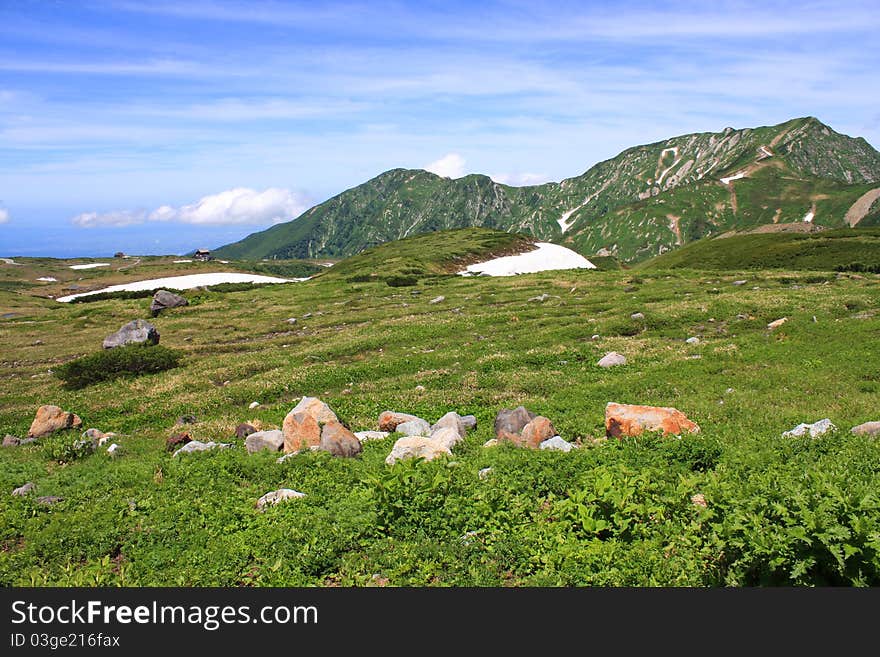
159,127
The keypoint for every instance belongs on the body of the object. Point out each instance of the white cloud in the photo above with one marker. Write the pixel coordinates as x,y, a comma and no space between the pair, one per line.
520,179
4,215
450,165
237,206
114,218
232,207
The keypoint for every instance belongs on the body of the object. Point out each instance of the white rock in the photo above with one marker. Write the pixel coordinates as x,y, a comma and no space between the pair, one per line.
637,316
437,299
199,446
276,496
611,359
114,449
253,405
484,473
492,442
449,437
815,430
371,435
416,446
777,323
557,443
693,340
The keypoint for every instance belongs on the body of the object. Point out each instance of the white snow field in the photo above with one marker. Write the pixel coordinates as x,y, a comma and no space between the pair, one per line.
47,279
545,258
185,283
91,265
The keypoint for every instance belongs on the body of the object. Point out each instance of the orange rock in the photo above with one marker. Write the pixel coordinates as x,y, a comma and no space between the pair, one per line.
631,420
389,420
537,431
50,419
339,441
301,431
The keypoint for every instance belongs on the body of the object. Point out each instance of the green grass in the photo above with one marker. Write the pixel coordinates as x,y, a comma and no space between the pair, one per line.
780,512
428,255
830,250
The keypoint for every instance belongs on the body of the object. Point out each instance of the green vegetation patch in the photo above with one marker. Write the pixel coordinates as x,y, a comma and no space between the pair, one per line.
130,360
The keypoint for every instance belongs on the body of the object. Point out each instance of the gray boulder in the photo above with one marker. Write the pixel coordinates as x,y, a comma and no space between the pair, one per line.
164,299
512,421
11,441
28,488
281,495
272,441
199,446
815,430
469,421
244,430
611,359
417,427
637,316
138,331
49,500
867,429
451,420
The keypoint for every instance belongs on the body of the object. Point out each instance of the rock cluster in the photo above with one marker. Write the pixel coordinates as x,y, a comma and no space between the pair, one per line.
423,440
312,424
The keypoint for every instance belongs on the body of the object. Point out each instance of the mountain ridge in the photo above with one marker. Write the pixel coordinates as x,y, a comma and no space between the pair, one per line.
646,200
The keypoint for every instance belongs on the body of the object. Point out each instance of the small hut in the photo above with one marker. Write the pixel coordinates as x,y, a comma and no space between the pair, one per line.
202,254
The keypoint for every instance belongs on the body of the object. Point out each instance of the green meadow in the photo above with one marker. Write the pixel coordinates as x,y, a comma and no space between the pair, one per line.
778,511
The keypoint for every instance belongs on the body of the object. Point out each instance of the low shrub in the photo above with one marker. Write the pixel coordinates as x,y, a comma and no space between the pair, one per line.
402,281
113,363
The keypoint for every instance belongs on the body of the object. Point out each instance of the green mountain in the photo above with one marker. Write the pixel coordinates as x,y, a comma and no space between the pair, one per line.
648,200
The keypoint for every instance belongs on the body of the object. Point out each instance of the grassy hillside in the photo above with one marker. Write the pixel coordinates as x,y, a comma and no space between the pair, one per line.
431,254
845,249
647,200
778,511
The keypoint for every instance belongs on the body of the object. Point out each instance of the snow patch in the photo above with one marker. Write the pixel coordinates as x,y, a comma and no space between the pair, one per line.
676,160
47,279
808,218
185,283
735,176
544,258
91,265
563,220
180,262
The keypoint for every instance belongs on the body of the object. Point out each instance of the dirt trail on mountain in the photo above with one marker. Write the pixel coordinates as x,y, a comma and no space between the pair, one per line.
674,227
860,208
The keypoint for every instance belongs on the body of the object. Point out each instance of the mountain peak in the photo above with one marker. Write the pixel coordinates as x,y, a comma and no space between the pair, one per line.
647,200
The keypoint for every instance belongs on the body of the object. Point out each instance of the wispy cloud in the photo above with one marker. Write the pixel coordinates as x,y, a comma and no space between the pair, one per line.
114,218
523,179
4,216
239,206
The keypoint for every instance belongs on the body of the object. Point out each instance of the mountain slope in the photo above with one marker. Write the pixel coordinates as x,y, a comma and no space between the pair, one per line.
842,249
647,200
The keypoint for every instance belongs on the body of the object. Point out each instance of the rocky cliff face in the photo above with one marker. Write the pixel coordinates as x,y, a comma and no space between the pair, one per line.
647,200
